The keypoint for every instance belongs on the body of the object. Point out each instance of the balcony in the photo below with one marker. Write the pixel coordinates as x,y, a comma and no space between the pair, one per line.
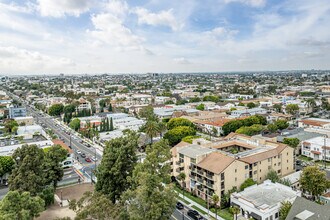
178,163
209,176
209,185
200,172
200,180
192,177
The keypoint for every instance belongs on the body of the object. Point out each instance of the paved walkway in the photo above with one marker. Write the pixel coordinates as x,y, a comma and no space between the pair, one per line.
193,203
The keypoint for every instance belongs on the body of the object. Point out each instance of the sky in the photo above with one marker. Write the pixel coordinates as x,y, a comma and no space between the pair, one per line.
139,36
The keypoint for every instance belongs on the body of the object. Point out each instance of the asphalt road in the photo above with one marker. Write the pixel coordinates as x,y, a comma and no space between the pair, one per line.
77,143
3,192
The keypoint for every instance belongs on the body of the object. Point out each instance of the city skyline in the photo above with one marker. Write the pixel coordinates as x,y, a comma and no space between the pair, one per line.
73,37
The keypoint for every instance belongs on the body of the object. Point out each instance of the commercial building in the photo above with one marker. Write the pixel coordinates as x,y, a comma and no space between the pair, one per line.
216,167
15,112
263,202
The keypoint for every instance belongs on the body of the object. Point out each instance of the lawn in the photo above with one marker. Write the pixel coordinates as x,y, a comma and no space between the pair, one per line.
199,210
224,213
308,159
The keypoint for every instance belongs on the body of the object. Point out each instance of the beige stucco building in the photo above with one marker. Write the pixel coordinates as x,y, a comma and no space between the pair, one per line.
216,167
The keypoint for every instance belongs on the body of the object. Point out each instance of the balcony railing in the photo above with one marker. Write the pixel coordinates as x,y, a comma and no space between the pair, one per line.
209,185
178,162
209,176
192,177
200,180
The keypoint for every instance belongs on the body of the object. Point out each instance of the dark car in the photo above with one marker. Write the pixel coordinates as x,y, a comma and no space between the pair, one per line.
83,155
179,205
194,215
88,160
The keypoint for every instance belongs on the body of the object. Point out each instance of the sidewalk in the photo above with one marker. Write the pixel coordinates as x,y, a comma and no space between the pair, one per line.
193,203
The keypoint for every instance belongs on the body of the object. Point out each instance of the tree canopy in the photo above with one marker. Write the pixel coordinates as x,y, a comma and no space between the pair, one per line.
176,122
6,165
75,124
248,182
314,181
56,110
292,142
118,161
176,134
292,109
21,206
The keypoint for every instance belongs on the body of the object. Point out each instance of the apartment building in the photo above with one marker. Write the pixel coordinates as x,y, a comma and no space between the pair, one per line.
216,167
248,112
317,148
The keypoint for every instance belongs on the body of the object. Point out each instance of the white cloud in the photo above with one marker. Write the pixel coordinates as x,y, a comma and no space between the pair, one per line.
252,3
163,18
30,61
60,8
181,60
111,30
117,7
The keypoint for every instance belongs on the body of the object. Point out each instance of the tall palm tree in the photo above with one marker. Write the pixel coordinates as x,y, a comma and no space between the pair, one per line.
311,103
151,129
182,178
162,128
215,200
235,210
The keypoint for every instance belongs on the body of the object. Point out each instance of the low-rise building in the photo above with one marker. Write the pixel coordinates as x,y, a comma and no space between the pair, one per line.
248,112
28,120
263,201
317,148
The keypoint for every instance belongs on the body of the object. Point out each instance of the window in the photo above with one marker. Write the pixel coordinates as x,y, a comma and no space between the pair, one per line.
222,176
271,217
274,164
193,160
235,179
279,171
269,167
260,170
279,163
235,170
276,215
255,172
287,161
269,159
275,157
247,167
255,164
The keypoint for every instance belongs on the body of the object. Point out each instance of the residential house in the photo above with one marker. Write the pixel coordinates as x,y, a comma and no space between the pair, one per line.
263,201
317,148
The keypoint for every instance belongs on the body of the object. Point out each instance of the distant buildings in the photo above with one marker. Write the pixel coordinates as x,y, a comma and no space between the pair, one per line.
248,112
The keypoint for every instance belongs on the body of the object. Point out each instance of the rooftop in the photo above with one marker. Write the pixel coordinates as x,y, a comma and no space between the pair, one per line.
194,150
266,195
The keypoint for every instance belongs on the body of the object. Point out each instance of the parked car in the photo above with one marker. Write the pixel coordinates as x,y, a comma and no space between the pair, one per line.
78,152
83,155
179,205
94,158
88,160
194,215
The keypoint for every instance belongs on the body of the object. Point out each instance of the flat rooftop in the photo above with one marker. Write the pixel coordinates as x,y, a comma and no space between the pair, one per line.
267,194
195,150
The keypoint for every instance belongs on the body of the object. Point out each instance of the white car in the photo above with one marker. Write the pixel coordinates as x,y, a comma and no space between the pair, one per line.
94,158
78,152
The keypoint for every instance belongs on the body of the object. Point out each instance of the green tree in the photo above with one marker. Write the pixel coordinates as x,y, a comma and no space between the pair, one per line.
152,129
182,178
95,205
56,110
248,182
292,109
285,209
152,195
20,206
11,126
292,142
28,174
251,105
241,104
234,210
314,181
176,122
6,165
231,126
71,108
52,164
311,103
118,161
110,108
102,103
47,195
111,128
175,135
272,175
148,113
272,128
277,107
75,124
162,128
200,107
281,124
251,130
215,201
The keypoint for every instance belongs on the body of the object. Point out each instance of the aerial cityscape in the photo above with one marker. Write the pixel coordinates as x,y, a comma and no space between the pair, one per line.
156,110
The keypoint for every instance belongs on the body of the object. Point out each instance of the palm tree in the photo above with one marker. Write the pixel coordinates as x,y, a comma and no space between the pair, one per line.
234,210
151,129
215,200
182,178
162,128
311,103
